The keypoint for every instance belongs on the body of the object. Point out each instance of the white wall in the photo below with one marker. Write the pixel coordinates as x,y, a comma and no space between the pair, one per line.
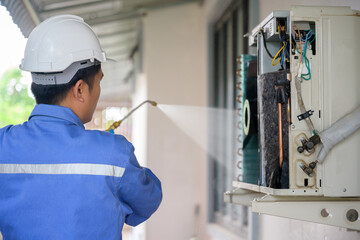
175,68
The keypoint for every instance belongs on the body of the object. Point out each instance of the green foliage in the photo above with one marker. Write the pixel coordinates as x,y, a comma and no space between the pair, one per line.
15,103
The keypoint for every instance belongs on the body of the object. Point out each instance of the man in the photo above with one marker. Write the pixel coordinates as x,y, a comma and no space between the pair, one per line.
58,180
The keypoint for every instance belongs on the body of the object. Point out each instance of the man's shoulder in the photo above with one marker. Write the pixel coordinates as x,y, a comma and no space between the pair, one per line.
111,140
5,129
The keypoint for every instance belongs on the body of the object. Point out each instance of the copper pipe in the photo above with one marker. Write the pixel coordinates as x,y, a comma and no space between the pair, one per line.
281,157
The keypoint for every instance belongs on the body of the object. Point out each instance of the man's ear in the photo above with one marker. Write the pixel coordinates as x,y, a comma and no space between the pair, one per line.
78,90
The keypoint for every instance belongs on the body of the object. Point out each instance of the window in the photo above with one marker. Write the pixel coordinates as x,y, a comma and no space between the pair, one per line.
229,43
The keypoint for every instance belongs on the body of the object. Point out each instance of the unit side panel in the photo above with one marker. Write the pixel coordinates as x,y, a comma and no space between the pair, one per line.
341,62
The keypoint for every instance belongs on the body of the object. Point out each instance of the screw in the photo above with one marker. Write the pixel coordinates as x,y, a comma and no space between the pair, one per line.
325,212
344,190
292,126
352,215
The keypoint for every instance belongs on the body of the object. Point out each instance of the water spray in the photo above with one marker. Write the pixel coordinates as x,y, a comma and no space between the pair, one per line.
117,123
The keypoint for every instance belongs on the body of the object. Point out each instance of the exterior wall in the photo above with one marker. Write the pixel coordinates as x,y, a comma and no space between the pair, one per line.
175,68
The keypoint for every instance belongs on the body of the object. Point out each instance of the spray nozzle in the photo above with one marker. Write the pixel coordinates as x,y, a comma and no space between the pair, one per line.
117,123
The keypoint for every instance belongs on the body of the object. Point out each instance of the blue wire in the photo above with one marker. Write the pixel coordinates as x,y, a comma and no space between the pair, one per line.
283,54
281,58
304,58
307,37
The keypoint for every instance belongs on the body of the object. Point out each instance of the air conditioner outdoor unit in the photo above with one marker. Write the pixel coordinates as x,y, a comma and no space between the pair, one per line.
307,117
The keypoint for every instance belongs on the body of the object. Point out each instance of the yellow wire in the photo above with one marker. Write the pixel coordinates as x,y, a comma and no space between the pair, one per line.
287,60
278,54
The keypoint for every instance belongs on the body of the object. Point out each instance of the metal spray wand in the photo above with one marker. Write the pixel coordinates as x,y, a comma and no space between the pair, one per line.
117,123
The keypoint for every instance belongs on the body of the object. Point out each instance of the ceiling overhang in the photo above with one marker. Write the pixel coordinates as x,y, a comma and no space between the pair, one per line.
116,22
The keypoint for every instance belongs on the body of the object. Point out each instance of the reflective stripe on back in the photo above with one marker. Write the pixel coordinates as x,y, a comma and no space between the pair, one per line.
71,168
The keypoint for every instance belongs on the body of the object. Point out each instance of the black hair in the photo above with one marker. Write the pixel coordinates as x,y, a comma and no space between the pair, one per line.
54,94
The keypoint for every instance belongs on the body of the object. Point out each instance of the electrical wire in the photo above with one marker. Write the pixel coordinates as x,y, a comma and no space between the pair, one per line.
306,61
274,64
293,45
300,76
283,55
307,65
279,33
264,41
313,37
282,52
284,39
297,34
307,37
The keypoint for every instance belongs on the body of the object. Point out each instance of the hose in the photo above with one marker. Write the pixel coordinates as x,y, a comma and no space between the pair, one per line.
339,131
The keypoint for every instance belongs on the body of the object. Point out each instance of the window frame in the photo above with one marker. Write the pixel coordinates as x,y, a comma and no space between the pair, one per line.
226,42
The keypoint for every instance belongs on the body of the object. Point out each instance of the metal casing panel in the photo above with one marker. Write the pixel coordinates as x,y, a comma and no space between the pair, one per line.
333,91
341,94
266,23
269,26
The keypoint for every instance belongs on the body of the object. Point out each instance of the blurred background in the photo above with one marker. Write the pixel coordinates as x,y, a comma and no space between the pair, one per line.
178,53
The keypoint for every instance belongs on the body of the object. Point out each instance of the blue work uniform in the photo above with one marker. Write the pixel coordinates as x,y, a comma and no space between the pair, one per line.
60,181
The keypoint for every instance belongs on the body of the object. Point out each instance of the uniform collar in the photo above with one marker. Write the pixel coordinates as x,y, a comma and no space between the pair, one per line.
56,111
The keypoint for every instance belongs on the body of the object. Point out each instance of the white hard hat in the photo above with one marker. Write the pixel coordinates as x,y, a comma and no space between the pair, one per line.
58,42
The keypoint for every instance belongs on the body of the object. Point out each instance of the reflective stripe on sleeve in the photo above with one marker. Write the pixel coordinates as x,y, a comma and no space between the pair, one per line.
71,168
